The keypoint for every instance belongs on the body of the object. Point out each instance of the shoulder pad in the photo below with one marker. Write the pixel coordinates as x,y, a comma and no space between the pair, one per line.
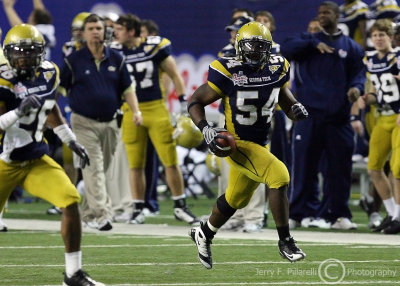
116,45
47,65
69,44
370,53
275,59
6,76
157,41
153,40
231,62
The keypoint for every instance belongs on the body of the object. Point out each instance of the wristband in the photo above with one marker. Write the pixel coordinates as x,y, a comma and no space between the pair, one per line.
182,97
64,133
203,123
355,117
8,119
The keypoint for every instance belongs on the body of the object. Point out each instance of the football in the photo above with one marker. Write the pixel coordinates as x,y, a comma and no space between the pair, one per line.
225,143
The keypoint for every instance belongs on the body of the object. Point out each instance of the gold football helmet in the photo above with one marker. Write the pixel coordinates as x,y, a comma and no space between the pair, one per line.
77,25
213,164
24,49
186,133
253,44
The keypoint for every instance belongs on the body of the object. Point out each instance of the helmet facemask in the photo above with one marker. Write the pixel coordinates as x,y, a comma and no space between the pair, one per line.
24,58
254,52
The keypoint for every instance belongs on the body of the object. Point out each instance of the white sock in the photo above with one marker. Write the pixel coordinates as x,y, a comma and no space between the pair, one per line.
389,206
73,262
396,212
183,196
213,228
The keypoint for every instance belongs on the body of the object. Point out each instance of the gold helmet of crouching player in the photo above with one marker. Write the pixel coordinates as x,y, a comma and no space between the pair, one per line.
253,44
24,49
186,133
77,25
213,164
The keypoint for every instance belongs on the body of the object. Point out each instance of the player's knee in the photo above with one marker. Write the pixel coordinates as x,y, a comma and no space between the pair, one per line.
224,207
241,204
396,172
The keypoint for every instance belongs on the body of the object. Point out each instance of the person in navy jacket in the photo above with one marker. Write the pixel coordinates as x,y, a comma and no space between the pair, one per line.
329,77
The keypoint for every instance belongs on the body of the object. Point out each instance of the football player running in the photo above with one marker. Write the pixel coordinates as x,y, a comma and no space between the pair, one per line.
28,89
250,86
145,58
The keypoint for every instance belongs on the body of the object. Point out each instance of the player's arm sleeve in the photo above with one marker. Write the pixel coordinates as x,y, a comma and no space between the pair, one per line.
163,50
219,78
294,48
125,79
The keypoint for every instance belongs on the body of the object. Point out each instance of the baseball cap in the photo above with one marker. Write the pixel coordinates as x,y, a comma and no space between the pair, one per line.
237,23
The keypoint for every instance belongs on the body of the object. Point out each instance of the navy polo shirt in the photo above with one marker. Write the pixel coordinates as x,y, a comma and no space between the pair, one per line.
95,92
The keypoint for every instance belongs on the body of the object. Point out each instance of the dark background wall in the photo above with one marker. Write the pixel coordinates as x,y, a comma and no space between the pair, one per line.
195,27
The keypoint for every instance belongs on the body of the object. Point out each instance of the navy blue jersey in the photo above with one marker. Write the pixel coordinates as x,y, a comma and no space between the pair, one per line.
24,139
380,72
350,15
230,51
143,64
249,97
95,88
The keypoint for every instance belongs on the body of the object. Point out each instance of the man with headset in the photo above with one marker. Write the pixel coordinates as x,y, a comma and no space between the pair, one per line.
97,80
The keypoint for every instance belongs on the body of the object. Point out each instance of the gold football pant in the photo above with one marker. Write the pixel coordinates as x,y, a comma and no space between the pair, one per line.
251,165
42,177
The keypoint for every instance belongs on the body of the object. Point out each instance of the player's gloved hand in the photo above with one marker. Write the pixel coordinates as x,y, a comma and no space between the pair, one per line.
79,150
299,111
183,104
27,104
211,135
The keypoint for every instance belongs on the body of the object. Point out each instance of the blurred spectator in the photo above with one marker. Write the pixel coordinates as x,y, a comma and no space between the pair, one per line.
149,28
353,19
314,26
39,17
240,12
232,28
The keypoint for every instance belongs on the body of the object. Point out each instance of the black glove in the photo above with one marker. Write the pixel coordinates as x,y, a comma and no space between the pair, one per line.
299,111
79,150
27,104
211,135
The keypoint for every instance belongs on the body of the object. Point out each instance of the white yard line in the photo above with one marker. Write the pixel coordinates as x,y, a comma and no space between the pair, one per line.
193,263
381,282
186,245
181,231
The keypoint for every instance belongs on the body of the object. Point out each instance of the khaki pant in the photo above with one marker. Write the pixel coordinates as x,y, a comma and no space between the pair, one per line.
100,140
117,176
